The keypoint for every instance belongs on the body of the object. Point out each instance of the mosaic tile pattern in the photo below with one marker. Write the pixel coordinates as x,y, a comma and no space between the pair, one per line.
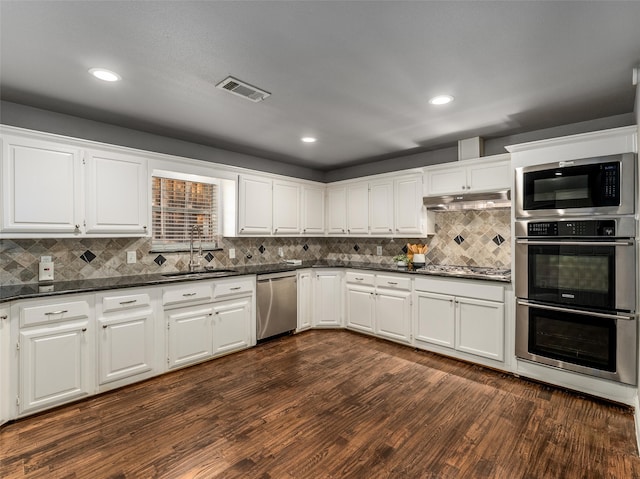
19,258
472,238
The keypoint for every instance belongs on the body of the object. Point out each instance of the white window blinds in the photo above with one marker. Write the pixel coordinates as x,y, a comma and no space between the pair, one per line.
177,206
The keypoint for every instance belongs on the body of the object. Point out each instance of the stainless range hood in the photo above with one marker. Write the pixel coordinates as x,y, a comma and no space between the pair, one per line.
469,201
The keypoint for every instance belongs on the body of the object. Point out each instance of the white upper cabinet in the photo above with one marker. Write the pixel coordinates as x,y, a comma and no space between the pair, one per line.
255,205
469,176
117,199
55,189
381,210
411,217
41,187
286,207
336,210
313,210
358,208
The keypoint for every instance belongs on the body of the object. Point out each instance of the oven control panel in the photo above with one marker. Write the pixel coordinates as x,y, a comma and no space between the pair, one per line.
572,228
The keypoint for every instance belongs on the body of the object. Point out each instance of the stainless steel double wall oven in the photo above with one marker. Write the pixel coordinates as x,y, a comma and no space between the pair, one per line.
576,266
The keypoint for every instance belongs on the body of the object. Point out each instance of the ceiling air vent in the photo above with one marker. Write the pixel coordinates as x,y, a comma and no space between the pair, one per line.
240,88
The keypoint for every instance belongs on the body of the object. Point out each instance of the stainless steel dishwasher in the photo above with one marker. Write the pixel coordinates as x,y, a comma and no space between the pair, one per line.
277,304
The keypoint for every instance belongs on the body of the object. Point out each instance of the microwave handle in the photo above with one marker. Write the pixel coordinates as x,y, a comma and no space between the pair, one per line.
629,242
578,311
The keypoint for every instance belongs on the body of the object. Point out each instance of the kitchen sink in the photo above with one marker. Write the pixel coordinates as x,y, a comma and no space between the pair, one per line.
207,273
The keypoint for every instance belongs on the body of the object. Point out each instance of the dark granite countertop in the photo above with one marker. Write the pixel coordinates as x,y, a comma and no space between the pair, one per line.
36,290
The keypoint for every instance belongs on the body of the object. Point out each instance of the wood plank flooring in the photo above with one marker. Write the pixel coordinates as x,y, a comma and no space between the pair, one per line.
327,404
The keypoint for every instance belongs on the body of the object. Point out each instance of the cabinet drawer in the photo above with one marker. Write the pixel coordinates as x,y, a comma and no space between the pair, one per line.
124,302
393,282
195,292
361,278
52,312
228,288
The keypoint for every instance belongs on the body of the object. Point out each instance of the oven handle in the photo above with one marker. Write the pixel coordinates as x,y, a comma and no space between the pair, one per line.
576,243
577,311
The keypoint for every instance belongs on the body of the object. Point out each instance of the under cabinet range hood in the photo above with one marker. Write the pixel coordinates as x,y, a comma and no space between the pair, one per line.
469,201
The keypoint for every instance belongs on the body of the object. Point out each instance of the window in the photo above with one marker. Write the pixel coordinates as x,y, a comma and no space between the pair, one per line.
178,205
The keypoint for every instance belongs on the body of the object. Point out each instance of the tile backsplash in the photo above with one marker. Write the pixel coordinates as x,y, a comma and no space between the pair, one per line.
474,238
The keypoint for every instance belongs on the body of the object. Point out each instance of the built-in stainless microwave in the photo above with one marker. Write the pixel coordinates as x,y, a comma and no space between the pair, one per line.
602,185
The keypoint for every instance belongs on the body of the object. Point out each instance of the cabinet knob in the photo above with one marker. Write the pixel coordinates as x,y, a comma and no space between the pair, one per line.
464,187
144,227
104,326
77,227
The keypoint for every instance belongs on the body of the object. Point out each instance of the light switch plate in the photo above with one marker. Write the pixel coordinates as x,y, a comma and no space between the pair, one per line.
232,253
379,250
131,257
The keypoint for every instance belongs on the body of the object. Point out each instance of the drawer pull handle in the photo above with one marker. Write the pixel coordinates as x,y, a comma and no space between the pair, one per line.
51,313
359,279
84,330
4,316
188,294
235,289
131,301
392,282
104,326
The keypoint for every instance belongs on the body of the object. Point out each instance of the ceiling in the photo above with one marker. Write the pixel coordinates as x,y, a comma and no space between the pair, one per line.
355,74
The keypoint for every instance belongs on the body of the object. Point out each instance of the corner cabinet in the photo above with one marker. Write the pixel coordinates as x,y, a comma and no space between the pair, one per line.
52,188
305,300
327,295
469,176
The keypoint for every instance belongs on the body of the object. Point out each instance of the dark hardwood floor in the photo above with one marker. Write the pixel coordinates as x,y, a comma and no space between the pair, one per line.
327,404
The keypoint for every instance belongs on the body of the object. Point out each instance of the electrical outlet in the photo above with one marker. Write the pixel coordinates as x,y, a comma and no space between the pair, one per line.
232,253
131,257
379,250
280,251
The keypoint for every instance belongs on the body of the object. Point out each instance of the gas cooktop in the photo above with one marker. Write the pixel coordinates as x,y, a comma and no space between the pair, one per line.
466,271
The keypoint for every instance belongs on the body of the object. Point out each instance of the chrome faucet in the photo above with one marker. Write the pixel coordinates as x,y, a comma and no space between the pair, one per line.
195,265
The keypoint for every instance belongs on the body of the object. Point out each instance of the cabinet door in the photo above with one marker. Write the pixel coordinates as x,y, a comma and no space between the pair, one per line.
116,192
489,176
435,319
480,328
409,211
393,315
360,304
305,300
41,187
441,181
190,338
55,365
254,205
337,210
312,210
286,208
328,299
358,209
231,325
6,375
125,346
381,208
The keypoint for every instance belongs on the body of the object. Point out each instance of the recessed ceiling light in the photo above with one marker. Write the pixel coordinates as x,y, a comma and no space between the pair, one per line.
105,75
308,139
441,100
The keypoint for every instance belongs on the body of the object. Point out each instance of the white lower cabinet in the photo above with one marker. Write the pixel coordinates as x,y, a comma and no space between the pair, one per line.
55,353
470,321
327,295
5,370
360,308
305,300
393,315
220,319
231,325
379,304
189,332
126,337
